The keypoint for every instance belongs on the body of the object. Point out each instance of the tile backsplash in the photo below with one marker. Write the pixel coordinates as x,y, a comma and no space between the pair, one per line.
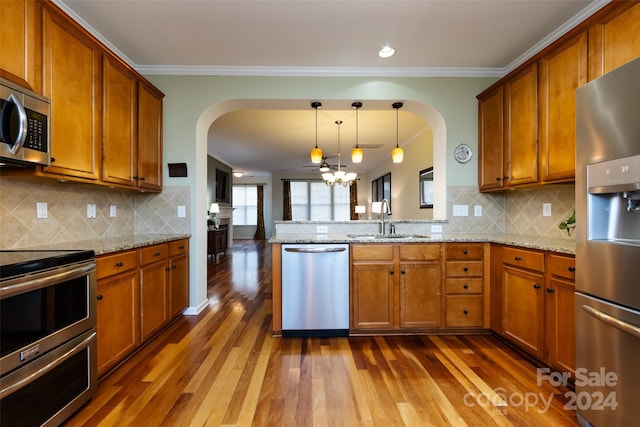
136,213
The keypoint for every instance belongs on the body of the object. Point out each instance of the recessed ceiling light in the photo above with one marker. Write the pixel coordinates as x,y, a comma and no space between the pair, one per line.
386,52
238,174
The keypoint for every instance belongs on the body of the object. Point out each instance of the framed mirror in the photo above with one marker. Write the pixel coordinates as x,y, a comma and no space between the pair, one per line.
426,188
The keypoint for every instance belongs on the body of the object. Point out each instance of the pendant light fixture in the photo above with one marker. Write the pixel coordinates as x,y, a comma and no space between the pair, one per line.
356,153
339,176
316,153
397,154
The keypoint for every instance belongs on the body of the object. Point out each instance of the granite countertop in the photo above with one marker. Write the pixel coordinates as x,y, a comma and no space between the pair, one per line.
566,246
115,244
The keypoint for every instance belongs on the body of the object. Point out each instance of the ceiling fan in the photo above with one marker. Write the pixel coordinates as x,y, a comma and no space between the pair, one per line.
324,166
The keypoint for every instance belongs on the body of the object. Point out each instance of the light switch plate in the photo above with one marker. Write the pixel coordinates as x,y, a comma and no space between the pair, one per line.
477,210
91,210
41,210
112,211
546,209
182,211
460,210
436,228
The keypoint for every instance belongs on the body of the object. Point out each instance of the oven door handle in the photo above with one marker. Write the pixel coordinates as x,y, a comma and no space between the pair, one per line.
46,368
612,321
19,285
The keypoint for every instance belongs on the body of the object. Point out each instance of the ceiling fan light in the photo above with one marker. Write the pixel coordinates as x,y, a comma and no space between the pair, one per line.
324,167
397,154
316,155
356,155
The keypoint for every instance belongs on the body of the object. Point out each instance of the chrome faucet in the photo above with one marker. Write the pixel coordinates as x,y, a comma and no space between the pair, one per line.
384,208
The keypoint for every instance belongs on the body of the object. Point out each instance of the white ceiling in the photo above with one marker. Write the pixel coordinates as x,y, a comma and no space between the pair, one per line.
323,38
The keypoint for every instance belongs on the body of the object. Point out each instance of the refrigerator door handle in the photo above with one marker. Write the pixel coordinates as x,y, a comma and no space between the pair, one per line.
612,321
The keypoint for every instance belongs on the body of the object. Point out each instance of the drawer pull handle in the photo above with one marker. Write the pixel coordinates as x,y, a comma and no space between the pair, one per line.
572,269
465,269
465,311
551,290
518,258
156,254
536,286
465,251
465,286
119,264
99,297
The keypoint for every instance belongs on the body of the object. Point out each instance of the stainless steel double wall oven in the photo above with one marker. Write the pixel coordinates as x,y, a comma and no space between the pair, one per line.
47,335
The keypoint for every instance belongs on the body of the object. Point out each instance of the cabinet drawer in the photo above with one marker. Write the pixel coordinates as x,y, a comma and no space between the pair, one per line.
153,254
372,252
531,260
111,265
464,268
464,311
464,286
562,266
464,251
418,252
178,247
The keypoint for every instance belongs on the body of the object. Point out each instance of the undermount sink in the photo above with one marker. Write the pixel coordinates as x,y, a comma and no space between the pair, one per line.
387,236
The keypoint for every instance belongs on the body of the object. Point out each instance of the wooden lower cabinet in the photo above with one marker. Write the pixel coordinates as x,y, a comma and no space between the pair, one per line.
395,287
178,277
154,290
118,310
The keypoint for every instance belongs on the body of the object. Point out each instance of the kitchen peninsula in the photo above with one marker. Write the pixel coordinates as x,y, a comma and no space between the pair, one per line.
415,282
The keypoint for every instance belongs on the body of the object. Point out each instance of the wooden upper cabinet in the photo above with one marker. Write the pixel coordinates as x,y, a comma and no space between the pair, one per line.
21,41
561,73
72,64
521,127
490,144
149,137
120,137
614,39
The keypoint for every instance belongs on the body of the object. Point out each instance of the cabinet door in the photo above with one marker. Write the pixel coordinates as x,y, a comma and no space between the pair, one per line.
420,295
72,80
149,138
120,124
21,52
490,142
521,128
154,298
523,309
561,73
118,319
372,299
615,39
560,310
178,284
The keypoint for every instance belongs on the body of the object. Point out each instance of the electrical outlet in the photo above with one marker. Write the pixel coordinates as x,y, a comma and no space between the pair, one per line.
436,228
112,211
182,211
41,210
91,210
322,229
546,209
460,210
477,210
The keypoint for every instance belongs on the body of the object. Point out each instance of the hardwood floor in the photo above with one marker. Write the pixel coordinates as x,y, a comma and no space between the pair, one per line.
224,368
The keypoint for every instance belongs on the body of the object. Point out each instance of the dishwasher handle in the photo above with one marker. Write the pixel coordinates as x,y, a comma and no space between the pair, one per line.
314,250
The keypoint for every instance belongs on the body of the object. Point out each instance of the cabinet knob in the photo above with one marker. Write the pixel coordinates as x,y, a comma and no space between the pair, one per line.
391,272
498,179
465,251
119,264
99,297
53,159
156,254
505,178
551,290
402,271
168,268
134,177
518,258
465,311
572,269
465,269
536,286
142,178
465,286
173,267
181,247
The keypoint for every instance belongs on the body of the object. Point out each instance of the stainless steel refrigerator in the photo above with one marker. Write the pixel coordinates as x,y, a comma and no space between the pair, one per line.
608,249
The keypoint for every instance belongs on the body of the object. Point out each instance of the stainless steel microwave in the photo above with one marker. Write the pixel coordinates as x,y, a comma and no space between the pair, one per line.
24,126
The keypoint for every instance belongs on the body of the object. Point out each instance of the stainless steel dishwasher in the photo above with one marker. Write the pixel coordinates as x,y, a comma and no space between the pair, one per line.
315,290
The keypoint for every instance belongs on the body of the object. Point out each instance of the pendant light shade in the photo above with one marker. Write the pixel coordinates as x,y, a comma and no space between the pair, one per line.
397,154
316,153
356,153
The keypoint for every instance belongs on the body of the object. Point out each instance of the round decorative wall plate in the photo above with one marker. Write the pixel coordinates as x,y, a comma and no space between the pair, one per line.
463,153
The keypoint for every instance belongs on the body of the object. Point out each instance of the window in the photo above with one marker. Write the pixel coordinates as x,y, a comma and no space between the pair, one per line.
245,205
381,189
317,201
